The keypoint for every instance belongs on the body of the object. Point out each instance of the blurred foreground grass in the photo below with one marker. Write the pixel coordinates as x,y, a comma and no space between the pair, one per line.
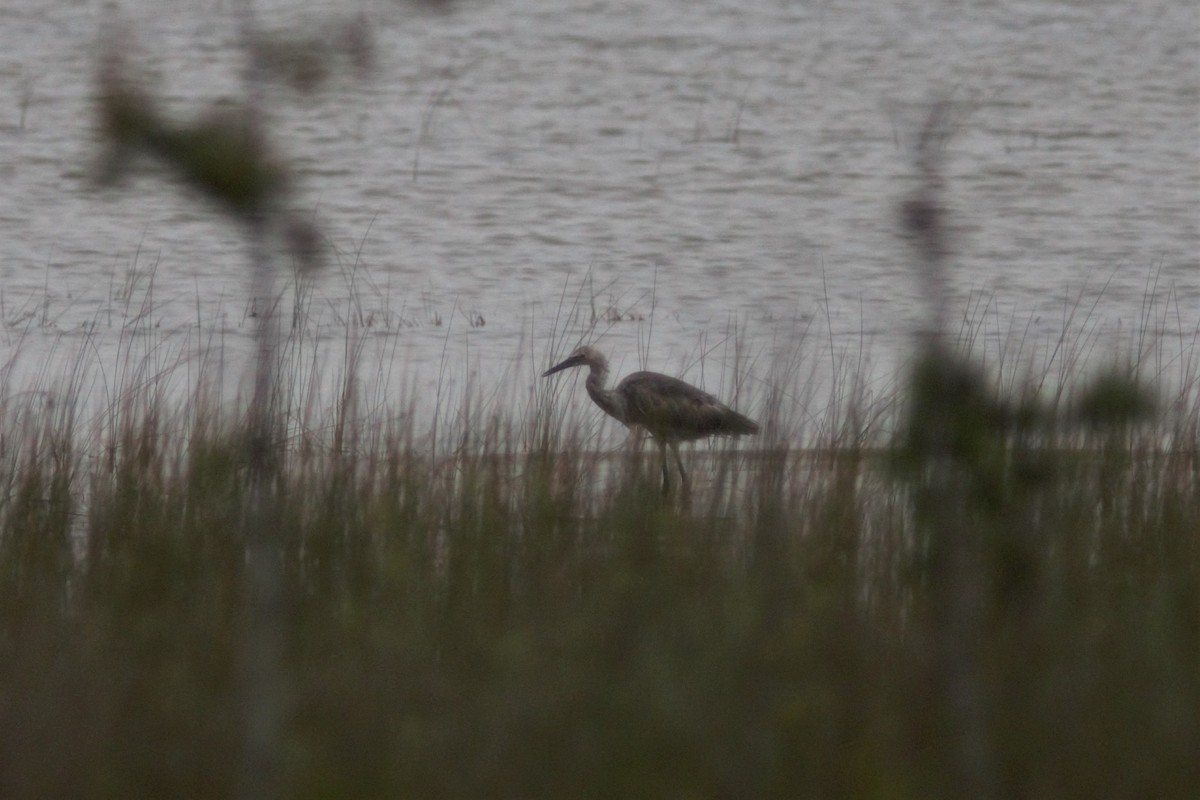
525,619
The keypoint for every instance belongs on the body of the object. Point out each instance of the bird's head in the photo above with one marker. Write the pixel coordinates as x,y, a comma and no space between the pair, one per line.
582,356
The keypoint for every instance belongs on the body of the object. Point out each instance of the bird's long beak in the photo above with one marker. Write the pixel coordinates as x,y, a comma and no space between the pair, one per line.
573,361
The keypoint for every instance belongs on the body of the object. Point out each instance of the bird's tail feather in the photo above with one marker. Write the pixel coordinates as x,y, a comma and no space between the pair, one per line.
736,424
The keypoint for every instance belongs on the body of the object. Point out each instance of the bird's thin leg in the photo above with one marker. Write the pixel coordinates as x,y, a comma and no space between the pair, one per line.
666,486
636,460
683,478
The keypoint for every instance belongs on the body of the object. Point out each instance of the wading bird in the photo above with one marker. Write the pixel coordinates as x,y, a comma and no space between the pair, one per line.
667,408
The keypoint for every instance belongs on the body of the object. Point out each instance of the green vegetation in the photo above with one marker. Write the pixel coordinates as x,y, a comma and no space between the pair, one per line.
524,618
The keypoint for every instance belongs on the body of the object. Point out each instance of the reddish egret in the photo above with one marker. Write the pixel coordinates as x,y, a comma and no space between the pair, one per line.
667,408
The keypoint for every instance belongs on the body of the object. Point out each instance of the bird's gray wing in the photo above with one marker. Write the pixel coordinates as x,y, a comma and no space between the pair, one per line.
671,408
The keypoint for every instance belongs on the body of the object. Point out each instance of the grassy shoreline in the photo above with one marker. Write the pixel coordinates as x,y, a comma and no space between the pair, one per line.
522,616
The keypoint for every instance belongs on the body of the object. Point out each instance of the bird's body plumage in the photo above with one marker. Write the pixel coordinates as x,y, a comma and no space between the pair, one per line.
673,410
669,409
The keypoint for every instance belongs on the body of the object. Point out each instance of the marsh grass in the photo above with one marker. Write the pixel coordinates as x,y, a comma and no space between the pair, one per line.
520,615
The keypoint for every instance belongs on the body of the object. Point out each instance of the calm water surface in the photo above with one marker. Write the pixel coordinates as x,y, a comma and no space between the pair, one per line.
682,170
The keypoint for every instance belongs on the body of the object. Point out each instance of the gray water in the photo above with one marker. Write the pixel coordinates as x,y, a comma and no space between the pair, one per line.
707,178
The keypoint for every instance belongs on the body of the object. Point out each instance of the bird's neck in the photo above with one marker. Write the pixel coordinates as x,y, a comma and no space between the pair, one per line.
608,400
